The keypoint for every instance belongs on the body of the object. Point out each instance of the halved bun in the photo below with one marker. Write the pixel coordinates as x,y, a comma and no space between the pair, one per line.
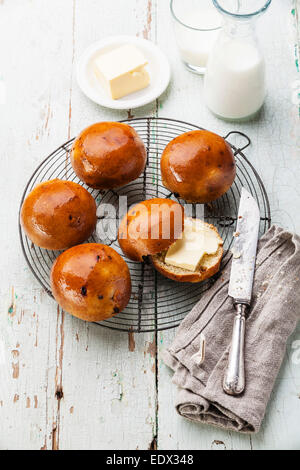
150,227
210,265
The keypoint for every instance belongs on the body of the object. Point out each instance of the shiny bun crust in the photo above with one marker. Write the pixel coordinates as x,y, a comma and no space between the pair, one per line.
91,282
150,227
108,155
58,214
199,166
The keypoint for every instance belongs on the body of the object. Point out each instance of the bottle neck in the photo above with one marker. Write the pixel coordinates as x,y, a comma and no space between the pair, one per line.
239,28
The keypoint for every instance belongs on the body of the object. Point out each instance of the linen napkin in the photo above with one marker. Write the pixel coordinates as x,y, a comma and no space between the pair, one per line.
274,312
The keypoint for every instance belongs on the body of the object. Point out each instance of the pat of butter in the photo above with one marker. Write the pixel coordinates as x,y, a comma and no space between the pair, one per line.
122,71
197,240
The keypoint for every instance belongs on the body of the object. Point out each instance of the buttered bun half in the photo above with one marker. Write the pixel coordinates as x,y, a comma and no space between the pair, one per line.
150,227
58,214
190,250
108,155
199,166
91,282
204,267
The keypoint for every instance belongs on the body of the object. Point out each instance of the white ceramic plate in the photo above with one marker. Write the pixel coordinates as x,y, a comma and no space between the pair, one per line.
158,69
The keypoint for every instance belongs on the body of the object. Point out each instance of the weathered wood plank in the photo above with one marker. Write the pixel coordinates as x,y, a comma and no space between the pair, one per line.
34,118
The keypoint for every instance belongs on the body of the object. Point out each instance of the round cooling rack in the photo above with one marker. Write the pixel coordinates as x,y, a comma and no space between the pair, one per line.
157,303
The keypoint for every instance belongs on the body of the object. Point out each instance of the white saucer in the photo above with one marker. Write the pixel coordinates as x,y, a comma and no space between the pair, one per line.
158,68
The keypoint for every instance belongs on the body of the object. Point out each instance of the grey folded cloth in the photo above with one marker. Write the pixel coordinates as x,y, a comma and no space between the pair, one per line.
273,316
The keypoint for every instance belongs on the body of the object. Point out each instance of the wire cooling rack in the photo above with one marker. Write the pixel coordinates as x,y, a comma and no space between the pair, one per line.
157,303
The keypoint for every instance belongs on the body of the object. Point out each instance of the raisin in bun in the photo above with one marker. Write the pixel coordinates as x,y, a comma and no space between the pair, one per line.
199,166
58,214
150,227
91,282
108,155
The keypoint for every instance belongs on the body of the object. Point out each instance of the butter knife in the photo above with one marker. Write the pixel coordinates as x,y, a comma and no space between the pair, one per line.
240,288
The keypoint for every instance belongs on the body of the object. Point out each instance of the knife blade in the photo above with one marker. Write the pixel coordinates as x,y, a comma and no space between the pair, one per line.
244,249
240,288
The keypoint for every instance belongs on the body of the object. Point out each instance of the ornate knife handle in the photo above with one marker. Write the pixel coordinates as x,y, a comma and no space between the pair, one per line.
234,379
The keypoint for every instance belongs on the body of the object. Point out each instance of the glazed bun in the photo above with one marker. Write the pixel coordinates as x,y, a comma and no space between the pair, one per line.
108,155
150,227
199,166
91,282
58,214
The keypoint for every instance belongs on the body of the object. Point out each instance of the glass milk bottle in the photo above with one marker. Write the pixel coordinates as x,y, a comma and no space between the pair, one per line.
234,84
